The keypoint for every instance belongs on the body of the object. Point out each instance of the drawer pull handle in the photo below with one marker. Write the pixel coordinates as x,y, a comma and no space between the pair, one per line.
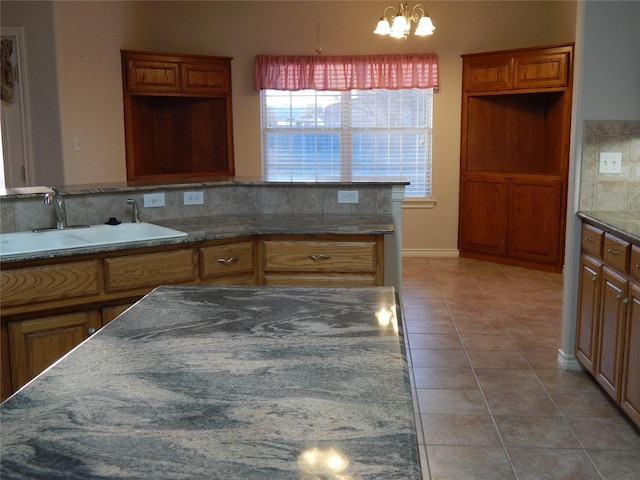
613,252
318,257
589,239
227,261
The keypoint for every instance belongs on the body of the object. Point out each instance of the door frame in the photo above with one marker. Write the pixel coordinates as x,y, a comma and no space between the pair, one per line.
17,34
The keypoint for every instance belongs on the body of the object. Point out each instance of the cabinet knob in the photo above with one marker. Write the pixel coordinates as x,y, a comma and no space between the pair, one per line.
318,257
637,265
613,252
227,261
91,330
625,301
594,279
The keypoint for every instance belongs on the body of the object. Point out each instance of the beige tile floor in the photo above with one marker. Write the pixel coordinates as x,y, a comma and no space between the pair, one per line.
491,402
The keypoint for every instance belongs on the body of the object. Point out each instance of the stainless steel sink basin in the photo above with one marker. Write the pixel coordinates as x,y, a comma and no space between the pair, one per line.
94,235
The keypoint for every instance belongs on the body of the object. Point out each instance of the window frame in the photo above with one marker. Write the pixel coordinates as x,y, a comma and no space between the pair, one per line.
346,133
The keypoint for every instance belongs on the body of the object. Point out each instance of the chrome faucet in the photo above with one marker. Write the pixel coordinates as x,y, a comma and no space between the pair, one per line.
58,206
135,216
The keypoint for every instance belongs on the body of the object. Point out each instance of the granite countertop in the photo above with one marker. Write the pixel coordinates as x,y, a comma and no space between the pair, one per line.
225,383
231,226
625,224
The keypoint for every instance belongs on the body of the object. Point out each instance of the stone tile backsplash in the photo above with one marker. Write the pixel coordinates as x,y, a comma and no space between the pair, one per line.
607,191
27,213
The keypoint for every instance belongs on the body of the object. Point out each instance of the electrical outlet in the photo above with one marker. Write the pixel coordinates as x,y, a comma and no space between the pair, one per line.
193,198
348,196
610,162
153,200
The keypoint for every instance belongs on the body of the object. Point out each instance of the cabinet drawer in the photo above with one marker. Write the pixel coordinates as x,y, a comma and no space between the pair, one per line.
591,240
153,76
229,259
634,263
149,269
615,252
319,256
49,282
543,70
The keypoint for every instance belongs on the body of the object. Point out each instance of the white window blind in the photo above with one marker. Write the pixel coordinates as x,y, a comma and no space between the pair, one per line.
315,135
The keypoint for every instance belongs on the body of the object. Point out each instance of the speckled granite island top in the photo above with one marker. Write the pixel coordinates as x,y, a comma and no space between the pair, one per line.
225,383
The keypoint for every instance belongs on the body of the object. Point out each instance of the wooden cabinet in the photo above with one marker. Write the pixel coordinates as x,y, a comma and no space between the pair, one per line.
588,311
37,343
518,69
608,316
516,116
630,384
613,309
50,306
327,260
178,115
511,216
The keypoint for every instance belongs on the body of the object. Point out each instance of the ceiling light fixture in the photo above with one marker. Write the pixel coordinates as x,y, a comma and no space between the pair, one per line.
401,25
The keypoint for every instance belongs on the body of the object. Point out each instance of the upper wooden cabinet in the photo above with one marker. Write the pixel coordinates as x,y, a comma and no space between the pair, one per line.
178,115
518,69
514,155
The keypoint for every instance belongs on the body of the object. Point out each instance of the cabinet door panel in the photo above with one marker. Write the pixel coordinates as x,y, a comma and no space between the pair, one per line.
630,396
153,76
483,216
588,311
493,73
541,71
612,320
205,78
534,220
36,344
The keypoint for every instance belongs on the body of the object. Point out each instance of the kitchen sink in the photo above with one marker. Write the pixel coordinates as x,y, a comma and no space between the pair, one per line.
94,235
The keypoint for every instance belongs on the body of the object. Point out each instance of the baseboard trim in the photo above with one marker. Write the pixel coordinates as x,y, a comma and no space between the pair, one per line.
430,252
568,362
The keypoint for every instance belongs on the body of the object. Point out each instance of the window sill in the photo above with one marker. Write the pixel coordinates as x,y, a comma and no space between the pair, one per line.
422,203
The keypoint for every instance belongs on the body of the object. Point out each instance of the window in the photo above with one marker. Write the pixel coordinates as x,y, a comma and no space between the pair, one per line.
309,135
347,116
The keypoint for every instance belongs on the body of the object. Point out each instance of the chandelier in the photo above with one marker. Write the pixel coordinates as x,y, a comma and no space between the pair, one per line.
401,25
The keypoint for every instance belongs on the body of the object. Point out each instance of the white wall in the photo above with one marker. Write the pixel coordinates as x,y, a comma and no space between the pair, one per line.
89,36
607,87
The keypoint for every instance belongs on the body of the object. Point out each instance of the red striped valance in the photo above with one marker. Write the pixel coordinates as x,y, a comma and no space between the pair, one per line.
346,72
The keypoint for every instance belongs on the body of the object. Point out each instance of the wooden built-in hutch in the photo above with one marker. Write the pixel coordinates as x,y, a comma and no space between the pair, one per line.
516,119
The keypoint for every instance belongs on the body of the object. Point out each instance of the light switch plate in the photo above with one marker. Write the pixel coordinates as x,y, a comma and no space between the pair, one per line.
610,162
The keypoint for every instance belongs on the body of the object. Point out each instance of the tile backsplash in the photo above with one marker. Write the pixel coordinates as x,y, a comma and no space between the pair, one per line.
609,191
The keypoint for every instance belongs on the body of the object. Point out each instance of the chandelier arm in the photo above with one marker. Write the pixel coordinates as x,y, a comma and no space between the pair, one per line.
384,12
423,12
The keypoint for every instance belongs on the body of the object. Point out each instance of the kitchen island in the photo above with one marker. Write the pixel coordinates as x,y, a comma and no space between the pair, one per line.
229,383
